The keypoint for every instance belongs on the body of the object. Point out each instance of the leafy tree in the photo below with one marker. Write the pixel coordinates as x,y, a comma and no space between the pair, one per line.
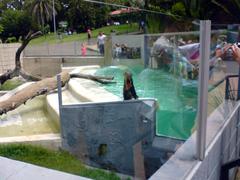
40,11
11,4
179,9
1,29
81,15
15,23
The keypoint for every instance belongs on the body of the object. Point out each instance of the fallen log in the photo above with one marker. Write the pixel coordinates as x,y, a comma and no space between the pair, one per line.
38,88
43,87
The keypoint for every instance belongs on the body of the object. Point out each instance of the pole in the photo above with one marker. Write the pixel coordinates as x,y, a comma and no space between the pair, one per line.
205,35
54,20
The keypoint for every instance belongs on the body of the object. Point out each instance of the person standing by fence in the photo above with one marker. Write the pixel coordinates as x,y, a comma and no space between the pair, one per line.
100,42
89,35
83,49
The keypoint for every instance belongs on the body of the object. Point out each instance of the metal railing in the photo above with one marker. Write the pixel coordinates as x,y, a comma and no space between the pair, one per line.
226,168
232,91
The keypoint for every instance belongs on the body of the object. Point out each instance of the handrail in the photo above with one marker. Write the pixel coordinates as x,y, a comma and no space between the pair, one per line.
226,167
228,87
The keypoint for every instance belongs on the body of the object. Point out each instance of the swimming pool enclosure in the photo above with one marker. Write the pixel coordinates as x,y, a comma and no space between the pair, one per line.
188,84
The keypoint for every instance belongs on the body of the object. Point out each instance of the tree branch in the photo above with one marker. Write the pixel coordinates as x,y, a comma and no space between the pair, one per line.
100,79
43,87
38,88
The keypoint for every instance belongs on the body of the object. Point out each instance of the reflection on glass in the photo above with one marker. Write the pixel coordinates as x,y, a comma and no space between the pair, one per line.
170,76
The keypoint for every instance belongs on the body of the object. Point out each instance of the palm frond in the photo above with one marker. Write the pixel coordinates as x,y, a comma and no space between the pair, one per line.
221,6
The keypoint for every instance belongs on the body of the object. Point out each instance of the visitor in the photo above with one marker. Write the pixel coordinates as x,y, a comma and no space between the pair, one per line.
83,49
236,52
100,42
142,26
69,32
128,87
89,34
228,50
118,50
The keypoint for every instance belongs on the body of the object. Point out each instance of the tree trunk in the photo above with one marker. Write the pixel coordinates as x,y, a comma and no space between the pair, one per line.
38,88
100,79
31,35
18,69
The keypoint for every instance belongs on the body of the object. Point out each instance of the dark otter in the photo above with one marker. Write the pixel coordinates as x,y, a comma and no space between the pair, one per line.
128,87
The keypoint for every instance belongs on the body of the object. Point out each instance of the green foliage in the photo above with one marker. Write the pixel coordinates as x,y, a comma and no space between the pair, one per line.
179,9
10,84
1,29
11,40
46,29
82,15
41,10
59,160
15,24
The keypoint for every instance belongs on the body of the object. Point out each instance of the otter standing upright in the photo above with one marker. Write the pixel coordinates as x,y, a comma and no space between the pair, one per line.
128,87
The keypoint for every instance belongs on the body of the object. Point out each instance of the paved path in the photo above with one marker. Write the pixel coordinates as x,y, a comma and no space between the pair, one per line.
16,170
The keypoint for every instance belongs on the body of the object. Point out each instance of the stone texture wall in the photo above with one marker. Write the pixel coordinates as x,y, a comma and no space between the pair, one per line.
7,56
114,135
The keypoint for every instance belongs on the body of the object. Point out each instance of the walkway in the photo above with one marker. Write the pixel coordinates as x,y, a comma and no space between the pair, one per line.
16,170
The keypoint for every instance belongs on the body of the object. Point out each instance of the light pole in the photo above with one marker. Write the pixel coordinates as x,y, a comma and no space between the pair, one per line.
54,20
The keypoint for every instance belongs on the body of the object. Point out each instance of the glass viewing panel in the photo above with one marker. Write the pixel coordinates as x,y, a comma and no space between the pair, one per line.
217,70
162,68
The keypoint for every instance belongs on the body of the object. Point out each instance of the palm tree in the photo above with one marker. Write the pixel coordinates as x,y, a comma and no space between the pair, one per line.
41,11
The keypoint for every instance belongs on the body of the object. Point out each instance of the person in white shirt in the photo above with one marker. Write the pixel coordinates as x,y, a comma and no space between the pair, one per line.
100,42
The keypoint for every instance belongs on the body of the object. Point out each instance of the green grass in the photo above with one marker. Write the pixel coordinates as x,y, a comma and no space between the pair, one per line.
10,84
121,29
58,160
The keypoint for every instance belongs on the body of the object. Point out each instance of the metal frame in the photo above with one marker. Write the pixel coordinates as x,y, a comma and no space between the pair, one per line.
228,89
205,36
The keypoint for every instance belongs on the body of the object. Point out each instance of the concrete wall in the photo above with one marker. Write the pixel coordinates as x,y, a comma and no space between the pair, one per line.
50,66
44,67
82,61
223,142
103,136
7,56
57,49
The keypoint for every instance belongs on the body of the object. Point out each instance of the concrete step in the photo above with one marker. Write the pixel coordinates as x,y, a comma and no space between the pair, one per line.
79,90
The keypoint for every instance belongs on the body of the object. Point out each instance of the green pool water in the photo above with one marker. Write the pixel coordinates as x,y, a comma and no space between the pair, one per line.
177,98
